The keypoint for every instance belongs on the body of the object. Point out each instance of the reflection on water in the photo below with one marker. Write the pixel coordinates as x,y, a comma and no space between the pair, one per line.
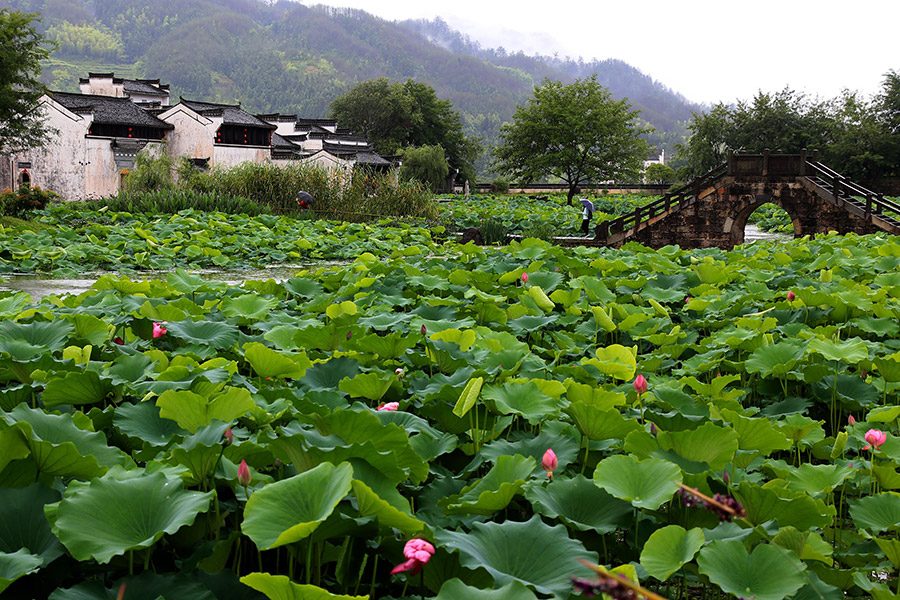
752,233
39,286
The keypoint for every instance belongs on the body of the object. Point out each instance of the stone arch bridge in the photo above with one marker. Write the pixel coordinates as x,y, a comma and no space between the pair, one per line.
713,209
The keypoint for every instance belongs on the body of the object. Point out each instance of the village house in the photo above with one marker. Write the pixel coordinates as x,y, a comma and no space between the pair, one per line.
100,131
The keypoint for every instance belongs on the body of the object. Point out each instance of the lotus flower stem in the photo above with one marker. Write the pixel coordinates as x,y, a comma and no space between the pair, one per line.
634,587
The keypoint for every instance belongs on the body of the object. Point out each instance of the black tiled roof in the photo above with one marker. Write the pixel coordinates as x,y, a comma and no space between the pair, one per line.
370,158
282,143
109,111
146,87
231,114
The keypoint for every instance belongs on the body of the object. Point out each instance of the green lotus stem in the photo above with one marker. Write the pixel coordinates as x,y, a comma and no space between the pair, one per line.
147,558
308,560
131,562
374,573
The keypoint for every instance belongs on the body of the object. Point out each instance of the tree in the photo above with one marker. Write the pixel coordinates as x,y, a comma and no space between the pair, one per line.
574,132
394,116
659,174
427,164
21,51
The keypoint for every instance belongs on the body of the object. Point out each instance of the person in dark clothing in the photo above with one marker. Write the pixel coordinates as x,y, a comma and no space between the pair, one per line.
586,214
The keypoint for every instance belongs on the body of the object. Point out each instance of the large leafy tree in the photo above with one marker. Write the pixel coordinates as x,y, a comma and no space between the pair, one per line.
577,133
21,50
397,115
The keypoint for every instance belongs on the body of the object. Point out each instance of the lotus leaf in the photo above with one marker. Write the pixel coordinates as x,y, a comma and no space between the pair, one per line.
668,549
290,510
523,399
270,363
279,587
494,491
767,573
644,483
111,516
454,589
534,554
16,564
581,504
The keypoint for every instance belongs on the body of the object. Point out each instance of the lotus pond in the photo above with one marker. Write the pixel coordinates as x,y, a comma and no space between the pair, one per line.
195,439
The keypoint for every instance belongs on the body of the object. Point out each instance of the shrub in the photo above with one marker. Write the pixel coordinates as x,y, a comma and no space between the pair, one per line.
541,231
500,185
426,164
493,231
173,201
26,198
151,172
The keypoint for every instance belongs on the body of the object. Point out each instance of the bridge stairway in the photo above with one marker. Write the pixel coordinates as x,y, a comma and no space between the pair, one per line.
840,191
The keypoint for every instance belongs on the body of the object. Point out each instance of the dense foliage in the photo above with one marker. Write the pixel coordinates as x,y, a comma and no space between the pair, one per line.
22,49
182,436
576,133
854,135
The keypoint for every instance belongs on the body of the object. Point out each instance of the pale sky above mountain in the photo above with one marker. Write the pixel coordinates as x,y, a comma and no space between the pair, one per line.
707,50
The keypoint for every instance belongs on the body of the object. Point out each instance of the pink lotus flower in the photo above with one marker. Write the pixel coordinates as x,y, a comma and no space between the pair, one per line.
687,300
417,552
388,406
851,421
791,296
875,438
243,475
159,330
398,372
524,277
549,462
640,384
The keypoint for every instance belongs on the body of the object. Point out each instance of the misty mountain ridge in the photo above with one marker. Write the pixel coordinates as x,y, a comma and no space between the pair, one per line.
295,59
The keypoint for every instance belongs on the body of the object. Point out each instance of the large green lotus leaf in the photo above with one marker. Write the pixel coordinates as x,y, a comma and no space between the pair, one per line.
776,360
616,360
599,424
708,444
249,307
494,491
271,363
889,367
580,504
130,368
849,351
327,376
455,589
531,552
767,573
877,513
23,524
669,548
59,447
289,510
11,306
146,586
200,452
468,397
142,421
45,334
764,504
565,444
280,587
80,387
367,385
91,329
17,564
388,347
817,480
205,333
303,286
192,411
523,399
112,516
388,515
12,447
645,483
760,435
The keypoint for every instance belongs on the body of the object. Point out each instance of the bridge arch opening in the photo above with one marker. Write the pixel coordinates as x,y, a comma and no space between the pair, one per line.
762,207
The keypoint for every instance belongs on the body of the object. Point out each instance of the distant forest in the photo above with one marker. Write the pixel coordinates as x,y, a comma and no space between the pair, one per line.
295,59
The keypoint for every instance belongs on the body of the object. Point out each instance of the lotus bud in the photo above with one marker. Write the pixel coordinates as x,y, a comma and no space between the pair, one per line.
349,335
119,341
549,462
524,277
864,374
159,330
687,300
229,437
790,296
121,592
243,474
653,429
725,476
424,331
851,421
640,384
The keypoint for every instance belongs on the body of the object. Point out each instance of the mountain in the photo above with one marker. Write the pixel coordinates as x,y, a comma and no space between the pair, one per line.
295,59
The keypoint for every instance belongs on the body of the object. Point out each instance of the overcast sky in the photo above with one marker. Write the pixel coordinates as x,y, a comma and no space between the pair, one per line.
707,50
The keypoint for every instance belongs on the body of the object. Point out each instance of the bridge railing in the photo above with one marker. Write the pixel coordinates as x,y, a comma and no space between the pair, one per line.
842,188
672,199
